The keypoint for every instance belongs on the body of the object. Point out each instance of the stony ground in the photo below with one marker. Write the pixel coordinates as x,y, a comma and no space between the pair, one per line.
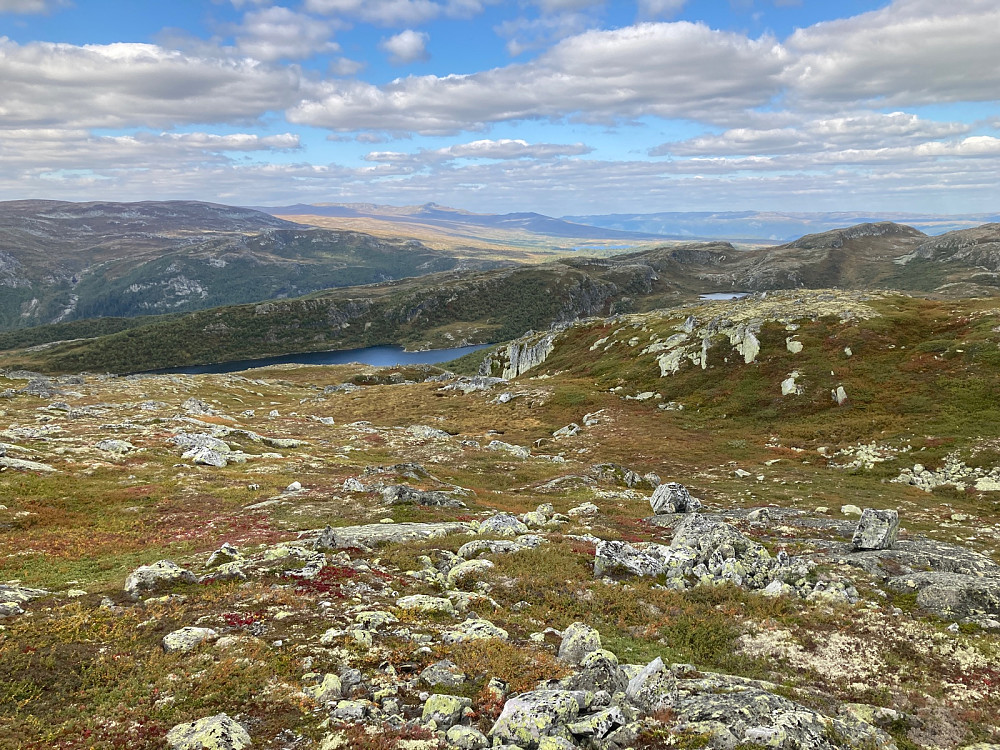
364,558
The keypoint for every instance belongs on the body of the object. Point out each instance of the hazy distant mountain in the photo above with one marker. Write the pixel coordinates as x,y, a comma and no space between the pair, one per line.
458,221
766,225
65,261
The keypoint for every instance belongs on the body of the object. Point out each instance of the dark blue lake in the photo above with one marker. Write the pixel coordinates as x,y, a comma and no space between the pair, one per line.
380,356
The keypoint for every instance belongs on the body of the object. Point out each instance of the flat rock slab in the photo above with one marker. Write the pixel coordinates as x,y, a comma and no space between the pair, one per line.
913,556
952,596
374,534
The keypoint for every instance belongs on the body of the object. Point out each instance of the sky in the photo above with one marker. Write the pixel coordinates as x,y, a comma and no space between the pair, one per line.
565,107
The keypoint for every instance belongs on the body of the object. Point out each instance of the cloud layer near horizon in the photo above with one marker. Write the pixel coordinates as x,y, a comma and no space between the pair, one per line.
871,104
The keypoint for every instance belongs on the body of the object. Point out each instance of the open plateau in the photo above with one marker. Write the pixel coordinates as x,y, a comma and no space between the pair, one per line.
637,519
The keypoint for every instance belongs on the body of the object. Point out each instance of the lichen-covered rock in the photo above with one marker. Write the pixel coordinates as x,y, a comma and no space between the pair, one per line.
518,451
502,524
466,738
952,596
400,494
598,670
654,687
327,690
424,603
445,710
206,457
118,447
474,630
734,710
156,577
673,497
529,717
468,569
224,555
218,732
578,640
614,556
599,725
187,639
444,673
877,529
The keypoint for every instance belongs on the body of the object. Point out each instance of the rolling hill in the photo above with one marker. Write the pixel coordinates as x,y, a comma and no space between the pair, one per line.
69,261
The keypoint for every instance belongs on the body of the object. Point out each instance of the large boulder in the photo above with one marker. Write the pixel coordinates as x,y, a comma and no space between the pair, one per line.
653,688
218,732
445,710
877,529
673,497
952,596
614,556
156,577
529,717
502,524
578,640
187,639
400,494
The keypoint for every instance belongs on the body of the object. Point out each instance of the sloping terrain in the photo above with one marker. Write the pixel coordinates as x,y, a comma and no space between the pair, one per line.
69,261
365,558
473,307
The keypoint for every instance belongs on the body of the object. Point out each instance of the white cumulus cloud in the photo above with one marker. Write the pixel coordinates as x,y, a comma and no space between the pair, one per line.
406,47
278,33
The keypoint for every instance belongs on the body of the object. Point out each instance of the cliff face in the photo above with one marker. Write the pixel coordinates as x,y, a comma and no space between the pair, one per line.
520,356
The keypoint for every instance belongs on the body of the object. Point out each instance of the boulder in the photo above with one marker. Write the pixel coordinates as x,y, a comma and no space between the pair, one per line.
400,494
187,639
877,529
673,497
474,630
502,524
445,710
443,673
467,569
217,732
329,689
466,738
529,717
654,687
426,604
952,596
156,577
621,557
578,640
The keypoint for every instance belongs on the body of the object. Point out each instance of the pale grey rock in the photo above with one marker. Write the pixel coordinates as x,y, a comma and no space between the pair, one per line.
218,732
598,671
352,710
424,432
877,529
445,710
952,596
839,395
466,738
156,577
194,441
529,717
653,688
206,457
517,451
187,639
424,603
673,497
585,510
578,640
226,554
474,630
732,710
443,673
614,556
371,535
118,447
502,524
329,689
520,355
468,569
600,725
400,494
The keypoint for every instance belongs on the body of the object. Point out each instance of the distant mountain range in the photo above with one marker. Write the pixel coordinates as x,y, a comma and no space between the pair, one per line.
768,225
460,222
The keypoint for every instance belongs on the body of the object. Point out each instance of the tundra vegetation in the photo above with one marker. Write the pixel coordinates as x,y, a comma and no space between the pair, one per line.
412,558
